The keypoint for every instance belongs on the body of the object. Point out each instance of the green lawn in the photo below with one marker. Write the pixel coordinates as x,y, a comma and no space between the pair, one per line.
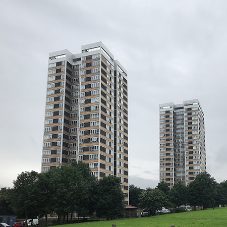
208,218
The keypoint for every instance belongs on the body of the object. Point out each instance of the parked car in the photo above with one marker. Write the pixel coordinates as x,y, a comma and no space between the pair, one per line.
32,222
144,213
188,209
18,224
4,225
163,211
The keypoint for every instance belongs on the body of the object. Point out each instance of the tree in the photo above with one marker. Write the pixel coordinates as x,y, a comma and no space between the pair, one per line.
202,191
134,194
110,198
152,200
25,194
221,197
178,194
5,207
46,184
163,186
82,184
69,189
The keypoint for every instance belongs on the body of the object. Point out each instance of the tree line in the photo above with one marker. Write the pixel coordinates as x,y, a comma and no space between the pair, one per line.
63,191
72,188
204,191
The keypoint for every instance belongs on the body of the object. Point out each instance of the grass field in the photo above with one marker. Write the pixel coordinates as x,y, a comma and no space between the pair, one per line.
208,218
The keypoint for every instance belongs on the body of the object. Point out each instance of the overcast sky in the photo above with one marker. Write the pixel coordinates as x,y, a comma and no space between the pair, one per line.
173,51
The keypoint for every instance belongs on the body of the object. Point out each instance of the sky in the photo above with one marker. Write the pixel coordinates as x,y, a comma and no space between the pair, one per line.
173,51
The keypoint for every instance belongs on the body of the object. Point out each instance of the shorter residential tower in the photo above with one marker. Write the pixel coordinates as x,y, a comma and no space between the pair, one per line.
182,142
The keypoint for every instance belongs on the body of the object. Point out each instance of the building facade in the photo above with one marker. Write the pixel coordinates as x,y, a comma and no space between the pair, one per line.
86,115
182,142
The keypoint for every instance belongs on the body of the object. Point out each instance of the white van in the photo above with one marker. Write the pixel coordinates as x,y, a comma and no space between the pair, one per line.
33,222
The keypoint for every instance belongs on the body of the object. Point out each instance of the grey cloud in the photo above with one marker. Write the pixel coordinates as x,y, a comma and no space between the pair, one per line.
135,167
173,51
149,172
142,182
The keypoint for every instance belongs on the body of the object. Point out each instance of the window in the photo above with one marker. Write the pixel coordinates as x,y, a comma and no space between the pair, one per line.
94,63
51,85
94,56
94,131
50,99
72,137
93,108
81,141
94,115
95,70
51,71
108,84
81,149
74,80
52,64
72,145
49,114
73,108
72,101
73,115
47,152
93,85
76,73
96,77
94,173
80,157
45,168
81,133
51,106
96,99
94,123
93,165
74,93
95,92
46,160
49,121
48,129
94,148
51,78
93,156
83,79
73,122
75,87
94,139
47,137
50,92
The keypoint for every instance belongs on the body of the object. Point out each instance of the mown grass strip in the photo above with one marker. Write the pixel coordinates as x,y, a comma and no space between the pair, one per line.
204,218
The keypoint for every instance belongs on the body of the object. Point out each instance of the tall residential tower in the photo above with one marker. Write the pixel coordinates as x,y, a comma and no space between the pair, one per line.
86,116
182,142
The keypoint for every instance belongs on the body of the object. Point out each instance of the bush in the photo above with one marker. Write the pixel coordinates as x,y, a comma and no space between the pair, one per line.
178,210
